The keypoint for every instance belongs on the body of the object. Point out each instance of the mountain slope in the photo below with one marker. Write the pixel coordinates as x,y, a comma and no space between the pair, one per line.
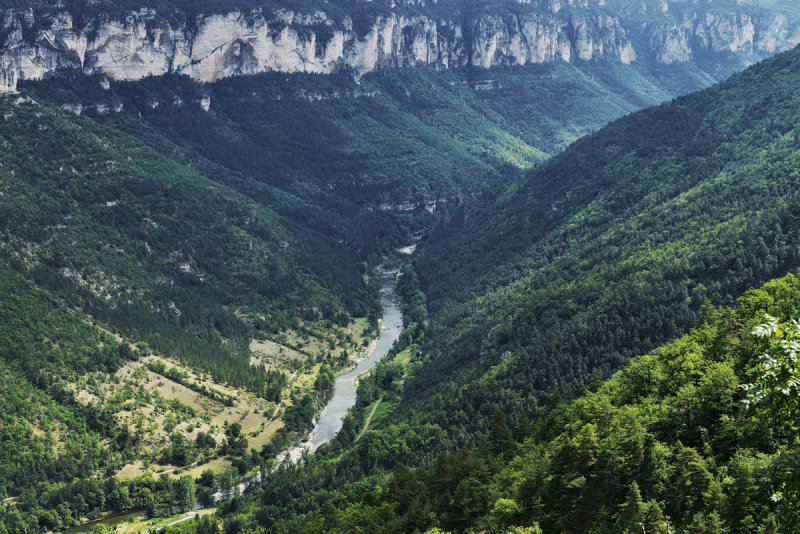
666,445
110,252
610,248
372,155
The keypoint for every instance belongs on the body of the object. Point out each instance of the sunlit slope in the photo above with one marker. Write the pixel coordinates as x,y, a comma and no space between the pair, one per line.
610,248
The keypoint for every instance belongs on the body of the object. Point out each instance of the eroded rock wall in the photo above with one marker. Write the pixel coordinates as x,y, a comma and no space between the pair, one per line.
143,43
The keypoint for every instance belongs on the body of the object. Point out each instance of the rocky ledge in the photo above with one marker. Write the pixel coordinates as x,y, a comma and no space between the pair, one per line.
36,43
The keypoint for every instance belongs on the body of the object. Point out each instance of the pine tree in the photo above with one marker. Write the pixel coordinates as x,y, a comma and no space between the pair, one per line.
631,516
500,438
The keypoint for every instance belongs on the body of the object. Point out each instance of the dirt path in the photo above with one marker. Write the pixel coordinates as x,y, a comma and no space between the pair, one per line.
369,418
181,520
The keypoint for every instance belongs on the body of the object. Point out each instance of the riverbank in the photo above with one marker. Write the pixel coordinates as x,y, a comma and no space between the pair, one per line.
330,420
134,522
344,396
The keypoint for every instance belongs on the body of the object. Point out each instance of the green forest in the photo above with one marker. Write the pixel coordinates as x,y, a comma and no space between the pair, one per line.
668,444
542,291
599,321
609,249
366,158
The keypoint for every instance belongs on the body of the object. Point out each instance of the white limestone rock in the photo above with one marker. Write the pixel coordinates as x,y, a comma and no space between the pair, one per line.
143,43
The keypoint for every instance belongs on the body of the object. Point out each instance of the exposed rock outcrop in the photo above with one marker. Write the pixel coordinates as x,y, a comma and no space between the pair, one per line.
144,43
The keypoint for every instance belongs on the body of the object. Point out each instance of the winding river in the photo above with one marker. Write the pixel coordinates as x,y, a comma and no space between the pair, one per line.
331,419
343,398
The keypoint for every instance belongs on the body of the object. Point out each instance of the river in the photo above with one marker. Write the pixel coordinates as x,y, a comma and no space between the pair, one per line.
330,420
343,398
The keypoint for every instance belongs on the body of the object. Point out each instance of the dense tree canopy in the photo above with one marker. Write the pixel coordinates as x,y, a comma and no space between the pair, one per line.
666,445
602,253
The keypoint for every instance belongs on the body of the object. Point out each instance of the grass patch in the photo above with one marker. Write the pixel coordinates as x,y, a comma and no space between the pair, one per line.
381,410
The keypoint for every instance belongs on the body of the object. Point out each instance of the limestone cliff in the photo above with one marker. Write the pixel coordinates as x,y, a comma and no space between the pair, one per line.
35,43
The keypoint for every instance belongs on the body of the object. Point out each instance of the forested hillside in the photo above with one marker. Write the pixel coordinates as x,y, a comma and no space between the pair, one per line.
598,255
110,252
608,249
667,445
89,210
373,155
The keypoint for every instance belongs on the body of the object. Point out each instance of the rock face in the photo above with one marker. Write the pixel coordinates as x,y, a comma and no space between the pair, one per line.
144,43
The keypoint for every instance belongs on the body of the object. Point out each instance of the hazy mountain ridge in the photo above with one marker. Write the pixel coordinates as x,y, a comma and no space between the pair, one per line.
130,44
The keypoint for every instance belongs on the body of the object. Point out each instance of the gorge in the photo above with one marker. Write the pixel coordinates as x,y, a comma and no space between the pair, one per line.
197,197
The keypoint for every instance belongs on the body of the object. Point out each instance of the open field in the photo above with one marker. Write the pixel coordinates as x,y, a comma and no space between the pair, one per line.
157,398
380,410
155,407
312,341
